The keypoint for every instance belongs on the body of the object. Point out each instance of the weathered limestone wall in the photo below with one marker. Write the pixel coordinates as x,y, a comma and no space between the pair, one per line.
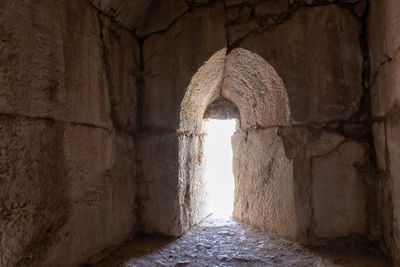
329,140
90,98
67,110
264,185
324,74
171,57
384,44
248,82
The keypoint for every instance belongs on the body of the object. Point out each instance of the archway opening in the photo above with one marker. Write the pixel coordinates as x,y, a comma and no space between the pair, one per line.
218,172
238,85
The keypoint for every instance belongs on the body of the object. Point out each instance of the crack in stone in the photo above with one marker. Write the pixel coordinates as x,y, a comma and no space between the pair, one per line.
264,26
107,70
168,27
226,26
53,120
112,18
388,60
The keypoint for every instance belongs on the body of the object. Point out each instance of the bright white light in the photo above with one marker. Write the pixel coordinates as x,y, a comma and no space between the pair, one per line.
218,173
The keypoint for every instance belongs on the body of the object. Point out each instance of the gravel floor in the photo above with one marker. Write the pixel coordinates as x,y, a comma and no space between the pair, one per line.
224,242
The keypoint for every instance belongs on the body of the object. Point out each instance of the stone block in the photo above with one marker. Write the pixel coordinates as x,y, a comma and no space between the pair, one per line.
383,32
322,72
379,133
189,42
264,189
68,190
339,196
393,143
384,91
122,73
51,62
160,190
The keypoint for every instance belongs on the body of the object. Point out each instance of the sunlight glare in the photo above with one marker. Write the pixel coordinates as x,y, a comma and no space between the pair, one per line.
218,171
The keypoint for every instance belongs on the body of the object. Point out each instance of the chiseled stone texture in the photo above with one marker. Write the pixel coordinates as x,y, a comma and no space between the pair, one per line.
249,82
159,186
66,190
385,83
383,32
100,192
190,41
203,89
67,176
32,196
125,12
379,133
70,72
143,17
322,71
51,61
339,196
256,89
263,182
326,143
384,44
192,196
394,167
121,60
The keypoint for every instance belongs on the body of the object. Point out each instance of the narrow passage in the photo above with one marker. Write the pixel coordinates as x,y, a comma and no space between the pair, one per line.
224,242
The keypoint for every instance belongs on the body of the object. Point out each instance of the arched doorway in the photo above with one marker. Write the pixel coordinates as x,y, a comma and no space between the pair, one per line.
264,194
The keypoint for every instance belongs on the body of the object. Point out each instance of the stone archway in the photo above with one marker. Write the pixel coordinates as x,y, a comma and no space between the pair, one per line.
264,195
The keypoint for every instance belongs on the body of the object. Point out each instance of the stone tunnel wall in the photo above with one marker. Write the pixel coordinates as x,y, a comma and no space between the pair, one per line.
67,112
329,141
318,49
90,95
384,43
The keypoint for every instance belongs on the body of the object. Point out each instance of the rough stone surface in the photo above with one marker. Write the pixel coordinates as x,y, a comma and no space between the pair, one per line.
203,89
51,62
189,42
256,89
262,173
102,105
159,185
125,12
253,86
394,167
69,181
224,242
384,94
322,72
67,175
121,66
339,198
193,196
384,44
380,145
383,33
222,109
139,16
326,143
160,15
100,194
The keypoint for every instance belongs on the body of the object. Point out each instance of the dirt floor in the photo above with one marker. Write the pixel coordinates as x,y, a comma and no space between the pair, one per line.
224,242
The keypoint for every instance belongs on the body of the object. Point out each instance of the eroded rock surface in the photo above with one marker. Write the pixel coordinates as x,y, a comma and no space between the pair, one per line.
322,71
223,242
67,162
384,43
91,120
